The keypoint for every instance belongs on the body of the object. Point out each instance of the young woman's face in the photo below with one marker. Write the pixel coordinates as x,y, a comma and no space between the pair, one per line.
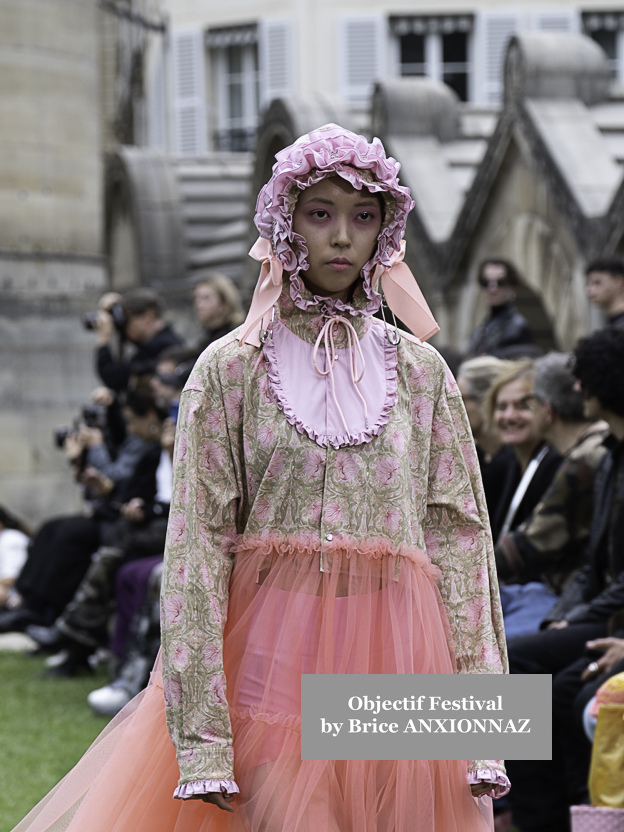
519,417
340,225
208,304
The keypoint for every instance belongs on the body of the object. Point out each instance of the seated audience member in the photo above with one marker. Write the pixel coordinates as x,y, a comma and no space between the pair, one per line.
475,377
172,371
139,534
62,550
520,420
505,327
543,790
217,307
136,639
537,560
14,542
605,289
143,326
608,688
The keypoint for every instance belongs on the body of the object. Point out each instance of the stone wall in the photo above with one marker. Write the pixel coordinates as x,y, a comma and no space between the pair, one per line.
51,263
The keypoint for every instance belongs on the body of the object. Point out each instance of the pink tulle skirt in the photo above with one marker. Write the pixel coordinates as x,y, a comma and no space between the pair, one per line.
366,613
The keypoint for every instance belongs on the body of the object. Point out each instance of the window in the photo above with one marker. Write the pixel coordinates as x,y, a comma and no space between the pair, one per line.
362,56
189,93
607,29
455,67
438,47
235,60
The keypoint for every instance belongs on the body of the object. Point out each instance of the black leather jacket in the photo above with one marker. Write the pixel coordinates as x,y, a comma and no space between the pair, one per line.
505,327
597,593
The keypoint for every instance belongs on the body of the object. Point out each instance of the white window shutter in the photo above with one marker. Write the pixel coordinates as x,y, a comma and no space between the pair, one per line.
190,129
275,60
556,21
362,53
156,103
495,29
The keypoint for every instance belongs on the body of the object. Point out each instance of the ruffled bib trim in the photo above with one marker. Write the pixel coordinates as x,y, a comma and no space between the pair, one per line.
336,440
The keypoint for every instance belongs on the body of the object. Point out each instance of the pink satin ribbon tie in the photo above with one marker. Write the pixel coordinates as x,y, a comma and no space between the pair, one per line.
326,336
402,292
266,294
404,297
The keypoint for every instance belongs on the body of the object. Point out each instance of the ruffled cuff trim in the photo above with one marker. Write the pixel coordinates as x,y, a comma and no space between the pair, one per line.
490,775
187,790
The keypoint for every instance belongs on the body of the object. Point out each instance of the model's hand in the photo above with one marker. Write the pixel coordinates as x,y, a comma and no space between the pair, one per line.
223,801
557,625
614,648
479,789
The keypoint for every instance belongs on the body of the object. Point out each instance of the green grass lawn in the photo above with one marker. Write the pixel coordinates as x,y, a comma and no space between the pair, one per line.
45,727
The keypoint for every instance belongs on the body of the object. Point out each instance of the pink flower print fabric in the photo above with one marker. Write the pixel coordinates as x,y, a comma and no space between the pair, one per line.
243,472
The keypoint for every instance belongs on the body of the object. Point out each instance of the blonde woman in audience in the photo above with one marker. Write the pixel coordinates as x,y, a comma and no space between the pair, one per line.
474,379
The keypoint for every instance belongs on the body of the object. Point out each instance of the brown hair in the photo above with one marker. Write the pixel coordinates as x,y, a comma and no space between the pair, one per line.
141,300
228,294
511,272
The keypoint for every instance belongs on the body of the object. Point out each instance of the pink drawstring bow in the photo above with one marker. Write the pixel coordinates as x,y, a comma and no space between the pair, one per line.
326,335
402,293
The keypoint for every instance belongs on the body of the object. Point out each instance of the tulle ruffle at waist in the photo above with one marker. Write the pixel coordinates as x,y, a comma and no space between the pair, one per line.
308,546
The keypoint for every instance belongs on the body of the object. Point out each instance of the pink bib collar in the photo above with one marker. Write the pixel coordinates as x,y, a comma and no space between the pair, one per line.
334,402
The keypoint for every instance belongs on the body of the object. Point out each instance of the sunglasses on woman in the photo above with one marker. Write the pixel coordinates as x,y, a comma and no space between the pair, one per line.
496,282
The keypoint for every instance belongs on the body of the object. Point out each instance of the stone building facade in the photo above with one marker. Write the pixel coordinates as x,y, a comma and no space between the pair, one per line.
135,134
52,267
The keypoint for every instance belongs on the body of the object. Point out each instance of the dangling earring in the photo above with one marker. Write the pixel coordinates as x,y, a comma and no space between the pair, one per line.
393,336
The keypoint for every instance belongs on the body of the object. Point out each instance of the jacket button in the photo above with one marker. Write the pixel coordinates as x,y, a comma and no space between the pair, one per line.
330,537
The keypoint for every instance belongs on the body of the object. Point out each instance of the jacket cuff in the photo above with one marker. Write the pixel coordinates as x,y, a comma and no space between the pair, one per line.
205,763
188,790
500,781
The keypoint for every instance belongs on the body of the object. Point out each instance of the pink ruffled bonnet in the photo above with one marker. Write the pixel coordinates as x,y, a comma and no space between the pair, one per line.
328,151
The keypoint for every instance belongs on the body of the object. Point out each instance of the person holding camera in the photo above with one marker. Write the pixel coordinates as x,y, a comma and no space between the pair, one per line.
62,549
506,330
138,535
137,317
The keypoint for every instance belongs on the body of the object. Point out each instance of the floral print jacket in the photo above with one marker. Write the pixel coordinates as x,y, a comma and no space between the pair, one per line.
242,469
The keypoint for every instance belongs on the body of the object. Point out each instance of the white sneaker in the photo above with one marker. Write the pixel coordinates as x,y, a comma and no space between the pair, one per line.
109,700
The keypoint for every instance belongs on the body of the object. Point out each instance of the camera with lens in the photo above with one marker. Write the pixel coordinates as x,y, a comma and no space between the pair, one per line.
61,434
92,415
117,314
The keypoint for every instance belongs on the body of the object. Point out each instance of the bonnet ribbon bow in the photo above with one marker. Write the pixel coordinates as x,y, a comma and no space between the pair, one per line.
404,297
402,293
266,294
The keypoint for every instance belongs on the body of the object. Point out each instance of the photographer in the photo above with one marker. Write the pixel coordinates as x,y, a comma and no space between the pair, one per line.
61,551
137,317
138,535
